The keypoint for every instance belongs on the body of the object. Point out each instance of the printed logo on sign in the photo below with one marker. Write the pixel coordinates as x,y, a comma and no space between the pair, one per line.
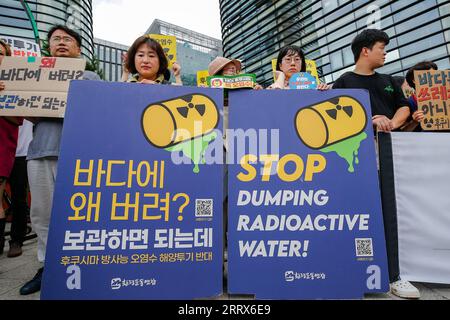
289,276
364,247
116,283
216,83
203,208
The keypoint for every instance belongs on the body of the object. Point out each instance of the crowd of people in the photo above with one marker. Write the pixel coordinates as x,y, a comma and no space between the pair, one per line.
146,63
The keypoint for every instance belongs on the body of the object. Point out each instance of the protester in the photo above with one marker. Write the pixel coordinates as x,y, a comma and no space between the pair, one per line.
44,150
227,67
224,67
389,112
417,115
291,60
8,142
147,63
389,106
18,181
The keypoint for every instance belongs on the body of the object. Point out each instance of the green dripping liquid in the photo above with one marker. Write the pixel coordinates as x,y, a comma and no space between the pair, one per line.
195,149
348,150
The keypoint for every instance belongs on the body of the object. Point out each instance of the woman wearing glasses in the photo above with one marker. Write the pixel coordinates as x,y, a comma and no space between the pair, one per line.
291,60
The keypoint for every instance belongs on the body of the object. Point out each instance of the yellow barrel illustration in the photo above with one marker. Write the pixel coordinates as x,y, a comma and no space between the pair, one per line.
330,121
170,122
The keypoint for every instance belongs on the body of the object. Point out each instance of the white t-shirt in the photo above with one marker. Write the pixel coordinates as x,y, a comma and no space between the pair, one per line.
25,137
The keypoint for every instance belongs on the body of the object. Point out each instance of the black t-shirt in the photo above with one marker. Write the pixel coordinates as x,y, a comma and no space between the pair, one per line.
385,96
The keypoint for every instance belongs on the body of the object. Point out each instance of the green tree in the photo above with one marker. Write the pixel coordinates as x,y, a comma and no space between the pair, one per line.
94,66
45,48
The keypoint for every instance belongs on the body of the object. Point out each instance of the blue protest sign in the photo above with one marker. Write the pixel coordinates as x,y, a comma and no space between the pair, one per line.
302,80
305,219
137,213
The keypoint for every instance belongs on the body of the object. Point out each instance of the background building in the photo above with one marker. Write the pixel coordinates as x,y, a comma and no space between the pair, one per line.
109,55
255,30
76,14
194,50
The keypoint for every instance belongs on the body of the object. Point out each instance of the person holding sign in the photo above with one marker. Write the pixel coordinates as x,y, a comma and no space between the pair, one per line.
389,112
222,66
147,63
43,152
389,106
417,115
290,61
9,130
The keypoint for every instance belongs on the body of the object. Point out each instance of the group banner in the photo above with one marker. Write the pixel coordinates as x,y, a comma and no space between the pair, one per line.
37,86
415,175
137,210
304,210
22,47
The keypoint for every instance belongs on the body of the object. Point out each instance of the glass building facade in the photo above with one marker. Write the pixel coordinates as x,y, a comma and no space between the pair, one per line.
255,30
75,14
194,50
109,55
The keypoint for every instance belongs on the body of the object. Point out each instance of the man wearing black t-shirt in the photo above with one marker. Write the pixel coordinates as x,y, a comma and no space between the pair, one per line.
389,106
389,112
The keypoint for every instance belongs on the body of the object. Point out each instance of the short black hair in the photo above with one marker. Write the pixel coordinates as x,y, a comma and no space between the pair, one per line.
424,65
152,43
367,39
290,50
67,30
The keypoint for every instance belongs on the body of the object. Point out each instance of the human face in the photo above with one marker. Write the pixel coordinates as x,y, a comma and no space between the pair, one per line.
377,56
290,64
146,61
63,45
2,53
229,69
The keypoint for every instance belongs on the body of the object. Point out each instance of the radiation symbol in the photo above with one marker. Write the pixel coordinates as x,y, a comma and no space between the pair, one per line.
331,121
167,123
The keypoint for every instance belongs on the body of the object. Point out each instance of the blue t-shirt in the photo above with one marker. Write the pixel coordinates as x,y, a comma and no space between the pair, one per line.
47,133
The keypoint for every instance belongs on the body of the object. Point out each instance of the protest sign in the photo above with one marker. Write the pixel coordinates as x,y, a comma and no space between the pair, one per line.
304,207
311,68
302,81
37,86
137,213
239,81
202,76
21,47
169,45
433,98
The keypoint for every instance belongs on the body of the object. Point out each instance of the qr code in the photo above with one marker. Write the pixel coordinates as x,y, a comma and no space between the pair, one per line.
203,207
364,247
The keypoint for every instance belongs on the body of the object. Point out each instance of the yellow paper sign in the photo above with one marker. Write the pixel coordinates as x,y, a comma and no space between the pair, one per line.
274,69
169,45
201,78
310,68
